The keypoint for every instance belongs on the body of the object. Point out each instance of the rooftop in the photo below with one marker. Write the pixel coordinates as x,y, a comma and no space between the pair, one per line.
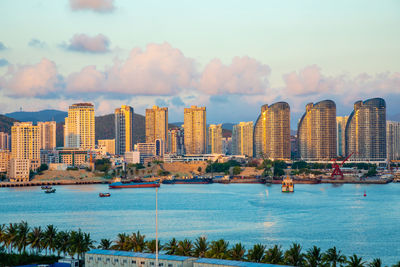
234,263
137,255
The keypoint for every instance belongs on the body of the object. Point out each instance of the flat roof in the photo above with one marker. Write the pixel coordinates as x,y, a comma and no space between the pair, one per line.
233,263
138,255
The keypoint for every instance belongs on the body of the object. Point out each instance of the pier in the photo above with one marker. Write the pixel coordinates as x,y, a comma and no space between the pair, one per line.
41,183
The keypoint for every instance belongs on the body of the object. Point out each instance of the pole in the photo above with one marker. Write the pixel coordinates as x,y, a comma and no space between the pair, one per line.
156,227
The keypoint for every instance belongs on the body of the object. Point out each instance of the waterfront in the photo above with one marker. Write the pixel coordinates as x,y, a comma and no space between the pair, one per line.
323,215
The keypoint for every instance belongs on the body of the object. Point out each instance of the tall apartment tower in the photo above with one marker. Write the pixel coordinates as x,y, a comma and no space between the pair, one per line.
25,140
175,141
242,139
317,131
214,139
366,131
79,128
272,132
47,135
5,141
195,130
123,129
340,135
393,140
156,124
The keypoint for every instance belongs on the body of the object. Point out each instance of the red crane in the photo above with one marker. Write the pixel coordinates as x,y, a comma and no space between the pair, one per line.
336,168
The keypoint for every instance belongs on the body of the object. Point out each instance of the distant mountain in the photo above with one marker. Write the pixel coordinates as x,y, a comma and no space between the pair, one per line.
6,123
35,116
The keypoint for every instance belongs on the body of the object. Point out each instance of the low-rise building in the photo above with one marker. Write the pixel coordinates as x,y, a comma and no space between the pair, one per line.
4,160
132,157
106,146
18,170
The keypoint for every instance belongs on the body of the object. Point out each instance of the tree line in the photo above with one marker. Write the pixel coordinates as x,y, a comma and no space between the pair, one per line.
22,239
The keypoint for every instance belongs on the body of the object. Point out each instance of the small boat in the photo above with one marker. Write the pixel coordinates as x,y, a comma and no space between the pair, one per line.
134,184
48,191
365,193
104,194
287,185
45,187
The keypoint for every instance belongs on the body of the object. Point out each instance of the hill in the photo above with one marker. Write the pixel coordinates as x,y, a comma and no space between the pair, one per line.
35,116
6,123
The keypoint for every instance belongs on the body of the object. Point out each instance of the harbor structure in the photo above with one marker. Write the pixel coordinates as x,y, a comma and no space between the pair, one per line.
242,139
366,131
157,124
317,132
214,145
393,140
271,136
123,119
341,122
47,134
195,136
79,128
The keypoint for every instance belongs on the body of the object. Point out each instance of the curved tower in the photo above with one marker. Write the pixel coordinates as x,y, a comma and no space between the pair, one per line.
317,131
366,130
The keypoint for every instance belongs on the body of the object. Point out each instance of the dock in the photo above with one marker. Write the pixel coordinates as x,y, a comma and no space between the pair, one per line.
51,183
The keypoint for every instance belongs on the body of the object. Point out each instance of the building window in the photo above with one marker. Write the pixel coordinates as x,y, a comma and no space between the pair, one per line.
170,265
142,262
152,263
134,262
161,264
125,261
107,260
115,260
99,258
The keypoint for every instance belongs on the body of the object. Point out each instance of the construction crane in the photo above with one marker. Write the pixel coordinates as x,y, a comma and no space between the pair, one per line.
336,168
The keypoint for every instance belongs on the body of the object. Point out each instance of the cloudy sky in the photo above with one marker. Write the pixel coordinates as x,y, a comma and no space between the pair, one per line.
231,56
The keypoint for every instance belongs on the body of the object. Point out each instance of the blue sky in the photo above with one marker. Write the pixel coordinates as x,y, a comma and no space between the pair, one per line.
231,56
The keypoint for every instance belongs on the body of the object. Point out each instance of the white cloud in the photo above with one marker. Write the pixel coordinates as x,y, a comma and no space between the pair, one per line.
94,5
89,44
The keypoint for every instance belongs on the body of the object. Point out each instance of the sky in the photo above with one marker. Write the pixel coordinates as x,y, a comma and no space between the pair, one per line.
230,56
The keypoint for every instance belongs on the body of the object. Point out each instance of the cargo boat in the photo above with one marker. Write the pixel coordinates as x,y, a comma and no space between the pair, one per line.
134,184
189,181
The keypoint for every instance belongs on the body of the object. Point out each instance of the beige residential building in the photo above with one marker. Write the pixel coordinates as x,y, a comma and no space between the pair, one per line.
340,133
25,140
175,141
393,140
123,129
195,130
272,132
79,128
106,146
317,131
215,139
5,156
47,134
156,124
242,139
18,170
5,141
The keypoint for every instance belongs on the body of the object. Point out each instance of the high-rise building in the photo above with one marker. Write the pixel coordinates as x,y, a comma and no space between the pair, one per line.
340,135
366,131
5,156
317,131
215,139
393,140
79,128
272,132
5,141
123,129
242,139
25,140
156,124
195,130
176,141
47,135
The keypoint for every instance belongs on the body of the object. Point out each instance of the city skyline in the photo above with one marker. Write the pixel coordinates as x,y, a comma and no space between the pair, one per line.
301,57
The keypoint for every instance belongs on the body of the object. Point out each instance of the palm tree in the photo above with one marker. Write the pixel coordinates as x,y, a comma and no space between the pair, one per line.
151,246
397,264
50,238
274,255
62,242
256,254
2,234
185,248
171,247
313,257
123,242
79,243
200,247
332,256
237,252
35,239
11,235
218,249
138,242
105,244
355,261
375,263
293,255
88,243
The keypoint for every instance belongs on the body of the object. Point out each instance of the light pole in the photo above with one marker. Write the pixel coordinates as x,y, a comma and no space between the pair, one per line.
156,227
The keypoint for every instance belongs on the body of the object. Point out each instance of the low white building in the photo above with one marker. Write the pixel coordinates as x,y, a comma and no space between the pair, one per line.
132,157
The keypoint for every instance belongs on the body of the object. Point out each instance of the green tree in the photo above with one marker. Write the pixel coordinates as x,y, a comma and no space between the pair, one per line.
236,170
123,242
355,261
22,236
237,252
313,257
218,249
151,246
256,254
11,236
333,257
62,242
49,238
35,239
294,256
185,248
375,263
201,246
105,244
138,242
171,247
274,255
